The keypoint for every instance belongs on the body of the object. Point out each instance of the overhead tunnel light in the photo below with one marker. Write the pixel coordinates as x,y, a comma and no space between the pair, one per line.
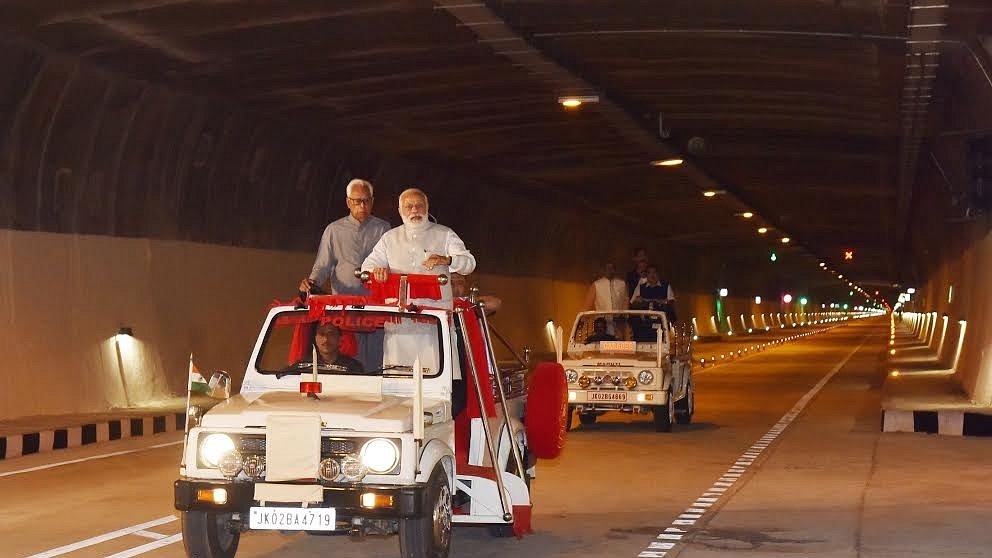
673,162
575,101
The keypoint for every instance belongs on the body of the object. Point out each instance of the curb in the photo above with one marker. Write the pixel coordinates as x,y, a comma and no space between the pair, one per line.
74,436
948,423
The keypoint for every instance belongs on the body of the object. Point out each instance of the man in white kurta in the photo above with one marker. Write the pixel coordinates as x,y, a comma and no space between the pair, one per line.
422,247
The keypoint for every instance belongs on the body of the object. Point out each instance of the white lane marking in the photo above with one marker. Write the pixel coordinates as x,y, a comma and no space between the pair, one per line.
80,460
148,547
106,537
150,535
713,493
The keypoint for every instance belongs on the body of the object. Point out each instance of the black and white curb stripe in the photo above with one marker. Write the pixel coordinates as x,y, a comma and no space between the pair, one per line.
74,436
947,422
681,527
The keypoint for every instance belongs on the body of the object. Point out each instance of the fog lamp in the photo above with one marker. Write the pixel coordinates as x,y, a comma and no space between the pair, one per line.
328,469
352,468
584,382
598,380
607,379
230,464
629,382
571,376
254,466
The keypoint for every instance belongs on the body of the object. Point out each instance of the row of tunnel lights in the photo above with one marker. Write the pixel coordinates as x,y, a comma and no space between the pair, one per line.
574,102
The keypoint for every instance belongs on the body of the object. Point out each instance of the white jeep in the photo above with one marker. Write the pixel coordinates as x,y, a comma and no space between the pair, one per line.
402,446
629,361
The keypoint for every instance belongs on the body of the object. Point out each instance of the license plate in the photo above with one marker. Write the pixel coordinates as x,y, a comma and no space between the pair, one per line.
607,396
291,519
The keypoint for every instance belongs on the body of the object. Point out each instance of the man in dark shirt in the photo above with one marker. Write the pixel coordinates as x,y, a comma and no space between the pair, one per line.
599,332
654,294
327,341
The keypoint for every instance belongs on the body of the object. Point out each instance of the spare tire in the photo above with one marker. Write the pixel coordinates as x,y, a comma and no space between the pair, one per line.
546,411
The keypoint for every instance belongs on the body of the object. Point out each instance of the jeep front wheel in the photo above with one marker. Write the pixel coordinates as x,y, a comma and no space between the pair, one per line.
430,537
209,535
664,415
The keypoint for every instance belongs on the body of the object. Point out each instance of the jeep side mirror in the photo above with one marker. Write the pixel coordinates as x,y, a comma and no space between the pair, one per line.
219,386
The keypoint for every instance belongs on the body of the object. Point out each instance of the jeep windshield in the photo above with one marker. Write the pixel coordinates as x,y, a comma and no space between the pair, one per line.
632,335
350,342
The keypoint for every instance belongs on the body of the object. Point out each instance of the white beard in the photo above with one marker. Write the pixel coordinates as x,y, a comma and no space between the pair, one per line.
415,226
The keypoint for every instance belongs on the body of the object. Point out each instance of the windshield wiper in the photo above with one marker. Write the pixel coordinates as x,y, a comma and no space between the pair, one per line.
302,366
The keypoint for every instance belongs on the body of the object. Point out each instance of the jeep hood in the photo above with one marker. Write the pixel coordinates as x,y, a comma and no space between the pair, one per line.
391,413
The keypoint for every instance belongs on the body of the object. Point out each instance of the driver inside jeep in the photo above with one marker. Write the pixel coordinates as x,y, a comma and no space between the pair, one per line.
327,342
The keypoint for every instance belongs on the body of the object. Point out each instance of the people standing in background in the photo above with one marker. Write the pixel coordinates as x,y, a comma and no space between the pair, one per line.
637,275
608,292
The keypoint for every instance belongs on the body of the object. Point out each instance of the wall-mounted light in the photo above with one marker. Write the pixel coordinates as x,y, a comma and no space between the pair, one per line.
747,214
757,300
575,101
786,240
671,162
762,230
125,331
723,292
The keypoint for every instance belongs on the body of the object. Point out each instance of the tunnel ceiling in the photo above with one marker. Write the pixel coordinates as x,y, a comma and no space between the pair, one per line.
807,113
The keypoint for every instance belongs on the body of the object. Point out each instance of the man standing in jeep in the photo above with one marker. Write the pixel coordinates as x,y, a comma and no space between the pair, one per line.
346,243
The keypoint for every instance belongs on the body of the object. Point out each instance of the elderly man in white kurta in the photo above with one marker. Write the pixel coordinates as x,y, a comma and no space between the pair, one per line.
422,247
419,246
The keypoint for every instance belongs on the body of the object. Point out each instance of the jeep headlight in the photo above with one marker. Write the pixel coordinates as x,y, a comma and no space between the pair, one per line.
645,377
571,376
213,448
380,455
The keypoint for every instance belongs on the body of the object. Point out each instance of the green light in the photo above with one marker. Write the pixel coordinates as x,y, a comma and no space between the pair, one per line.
845,307
803,301
773,257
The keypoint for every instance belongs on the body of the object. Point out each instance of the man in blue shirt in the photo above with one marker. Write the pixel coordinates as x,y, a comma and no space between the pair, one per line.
346,243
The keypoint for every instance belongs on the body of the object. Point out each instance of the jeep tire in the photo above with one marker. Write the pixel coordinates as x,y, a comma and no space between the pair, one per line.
686,407
664,415
430,537
208,535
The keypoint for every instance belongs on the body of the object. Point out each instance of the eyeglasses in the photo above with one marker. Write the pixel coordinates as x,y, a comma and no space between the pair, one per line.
361,201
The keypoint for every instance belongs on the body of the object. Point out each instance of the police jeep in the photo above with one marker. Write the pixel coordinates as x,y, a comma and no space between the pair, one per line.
632,362
433,433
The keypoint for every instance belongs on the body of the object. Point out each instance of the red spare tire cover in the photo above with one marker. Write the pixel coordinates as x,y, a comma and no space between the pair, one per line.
547,408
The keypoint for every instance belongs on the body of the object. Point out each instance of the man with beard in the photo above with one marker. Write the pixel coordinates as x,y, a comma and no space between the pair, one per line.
422,247
419,246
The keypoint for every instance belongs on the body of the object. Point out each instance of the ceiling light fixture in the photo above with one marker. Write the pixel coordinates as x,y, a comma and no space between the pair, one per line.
673,162
746,214
575,101
762,230
786,240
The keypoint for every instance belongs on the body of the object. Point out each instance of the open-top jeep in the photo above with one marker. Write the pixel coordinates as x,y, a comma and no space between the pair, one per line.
629,361
431,433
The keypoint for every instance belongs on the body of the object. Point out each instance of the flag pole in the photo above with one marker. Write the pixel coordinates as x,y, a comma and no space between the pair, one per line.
189,390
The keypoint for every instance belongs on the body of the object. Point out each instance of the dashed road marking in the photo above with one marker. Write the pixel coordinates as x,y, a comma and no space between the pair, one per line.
693,514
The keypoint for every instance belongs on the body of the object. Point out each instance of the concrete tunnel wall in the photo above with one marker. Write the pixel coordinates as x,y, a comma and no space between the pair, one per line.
124,203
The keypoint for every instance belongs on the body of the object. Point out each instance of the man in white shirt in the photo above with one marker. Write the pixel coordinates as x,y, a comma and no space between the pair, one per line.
422,247
607,293
419,246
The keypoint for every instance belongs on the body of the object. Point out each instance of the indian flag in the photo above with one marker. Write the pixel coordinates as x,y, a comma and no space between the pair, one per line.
196,381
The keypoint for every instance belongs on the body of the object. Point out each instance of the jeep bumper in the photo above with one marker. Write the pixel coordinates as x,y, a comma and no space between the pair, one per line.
407,500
